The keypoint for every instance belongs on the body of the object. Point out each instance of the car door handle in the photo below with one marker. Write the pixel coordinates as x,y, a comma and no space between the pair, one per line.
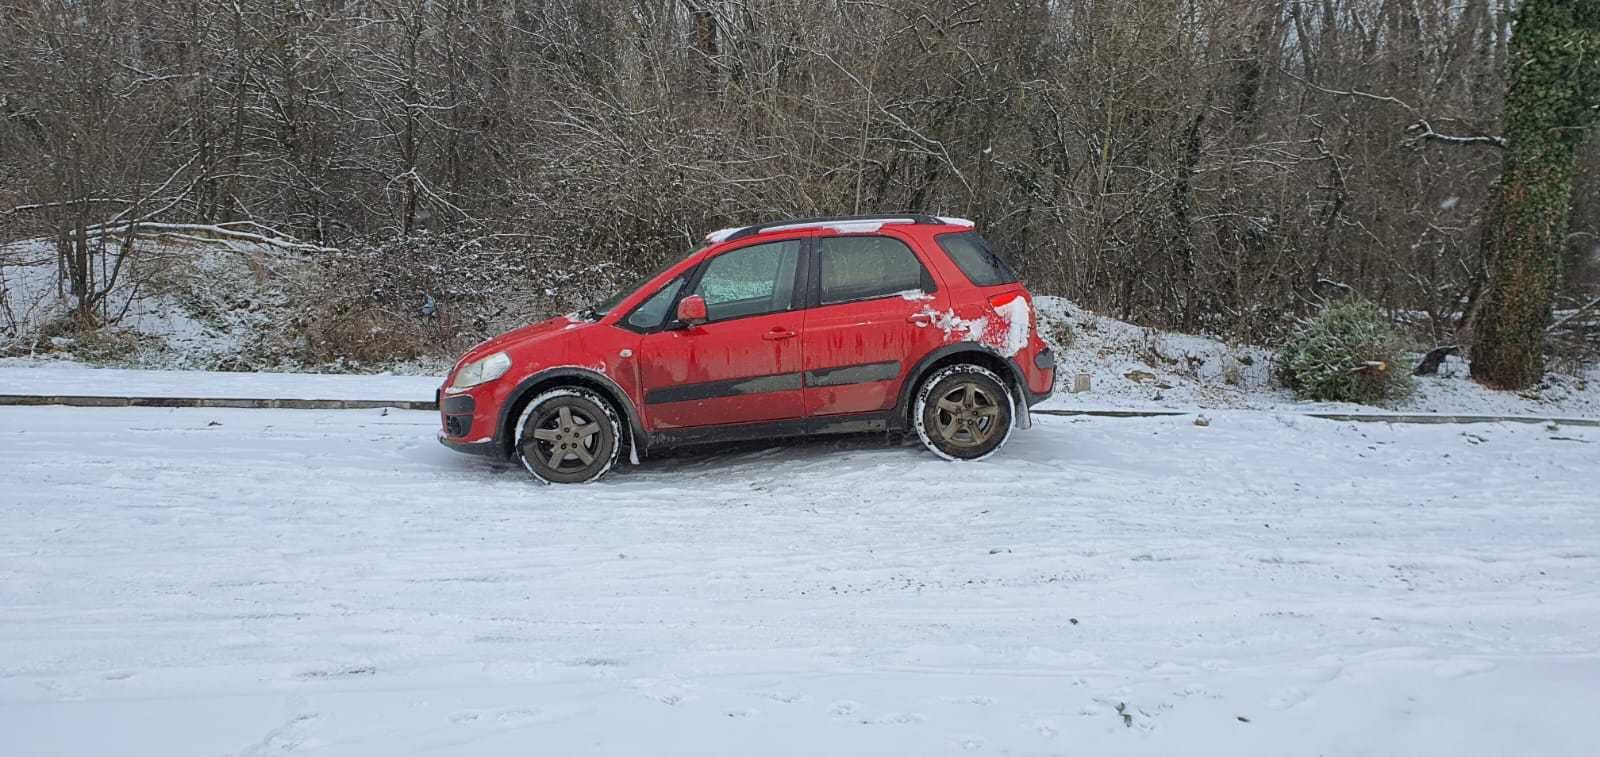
777,333
919,319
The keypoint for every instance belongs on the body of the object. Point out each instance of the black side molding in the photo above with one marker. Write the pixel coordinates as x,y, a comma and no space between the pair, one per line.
777,382
865,373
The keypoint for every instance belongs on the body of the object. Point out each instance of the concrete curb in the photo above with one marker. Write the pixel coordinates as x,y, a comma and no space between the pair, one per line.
82,400
1351,417
1113,413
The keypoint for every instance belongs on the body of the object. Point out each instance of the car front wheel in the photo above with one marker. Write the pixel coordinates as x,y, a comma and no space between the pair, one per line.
568,436
963,412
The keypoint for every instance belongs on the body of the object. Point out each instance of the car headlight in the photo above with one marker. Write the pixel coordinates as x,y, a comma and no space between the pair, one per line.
479,371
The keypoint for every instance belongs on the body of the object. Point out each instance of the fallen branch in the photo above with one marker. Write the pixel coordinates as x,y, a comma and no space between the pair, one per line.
207,234
1573,315
64,203
1424,131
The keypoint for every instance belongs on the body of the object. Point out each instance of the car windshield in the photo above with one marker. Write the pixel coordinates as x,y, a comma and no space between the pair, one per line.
605,306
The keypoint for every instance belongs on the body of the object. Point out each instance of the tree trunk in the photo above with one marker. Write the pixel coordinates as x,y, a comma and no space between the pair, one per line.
1551,98
705,44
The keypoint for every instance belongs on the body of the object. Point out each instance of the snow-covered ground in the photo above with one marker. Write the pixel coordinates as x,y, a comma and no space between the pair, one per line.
248,582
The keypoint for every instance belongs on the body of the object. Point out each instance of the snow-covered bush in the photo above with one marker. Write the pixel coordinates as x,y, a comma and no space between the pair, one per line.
379,300
1348,353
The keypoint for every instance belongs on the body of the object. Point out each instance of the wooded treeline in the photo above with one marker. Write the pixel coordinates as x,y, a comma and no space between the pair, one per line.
1208,165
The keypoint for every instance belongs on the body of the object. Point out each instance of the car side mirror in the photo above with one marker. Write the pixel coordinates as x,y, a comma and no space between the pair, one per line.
692,310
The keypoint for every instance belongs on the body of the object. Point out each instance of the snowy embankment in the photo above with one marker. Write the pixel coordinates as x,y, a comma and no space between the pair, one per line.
1130,367
185,308
209,308
1135,367
211,582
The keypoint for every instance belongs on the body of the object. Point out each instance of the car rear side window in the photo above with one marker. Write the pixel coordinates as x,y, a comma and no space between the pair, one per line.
868,267
973,256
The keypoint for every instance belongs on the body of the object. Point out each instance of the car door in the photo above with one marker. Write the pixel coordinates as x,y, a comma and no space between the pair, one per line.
875,315
743,364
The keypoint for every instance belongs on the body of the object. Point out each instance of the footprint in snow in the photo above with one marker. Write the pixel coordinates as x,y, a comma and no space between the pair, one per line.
288,737
1287,697
897,718
497,718
349,672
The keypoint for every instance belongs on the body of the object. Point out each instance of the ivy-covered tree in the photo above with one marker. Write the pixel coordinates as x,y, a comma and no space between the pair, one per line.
1552,97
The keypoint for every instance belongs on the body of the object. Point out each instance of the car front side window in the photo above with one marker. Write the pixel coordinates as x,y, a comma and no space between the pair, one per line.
753,280
653,312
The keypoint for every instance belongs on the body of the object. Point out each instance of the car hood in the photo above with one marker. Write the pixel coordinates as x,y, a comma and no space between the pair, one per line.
532,332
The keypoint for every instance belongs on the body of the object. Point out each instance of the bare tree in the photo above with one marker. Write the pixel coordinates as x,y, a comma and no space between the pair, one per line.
1215,165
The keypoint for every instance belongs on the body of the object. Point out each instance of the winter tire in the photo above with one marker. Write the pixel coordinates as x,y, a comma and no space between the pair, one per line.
963,412
568,436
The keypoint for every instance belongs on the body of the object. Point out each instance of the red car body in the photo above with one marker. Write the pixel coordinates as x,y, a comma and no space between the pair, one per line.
813,366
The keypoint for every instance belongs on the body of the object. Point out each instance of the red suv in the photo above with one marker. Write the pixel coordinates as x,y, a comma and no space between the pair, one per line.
808,326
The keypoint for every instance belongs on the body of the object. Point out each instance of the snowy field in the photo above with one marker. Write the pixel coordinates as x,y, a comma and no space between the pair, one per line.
249,582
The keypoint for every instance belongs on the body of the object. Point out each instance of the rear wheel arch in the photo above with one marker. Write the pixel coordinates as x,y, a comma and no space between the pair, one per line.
946,356
555,378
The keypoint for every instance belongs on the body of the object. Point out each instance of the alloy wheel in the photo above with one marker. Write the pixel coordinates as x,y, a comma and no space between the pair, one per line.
967,415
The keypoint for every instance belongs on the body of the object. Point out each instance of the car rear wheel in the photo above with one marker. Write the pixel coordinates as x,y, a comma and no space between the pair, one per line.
963,412
568,436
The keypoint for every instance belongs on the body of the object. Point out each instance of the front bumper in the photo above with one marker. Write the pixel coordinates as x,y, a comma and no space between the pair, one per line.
482,448
456,416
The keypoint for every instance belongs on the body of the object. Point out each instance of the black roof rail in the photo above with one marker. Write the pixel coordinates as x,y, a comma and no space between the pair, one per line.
760,227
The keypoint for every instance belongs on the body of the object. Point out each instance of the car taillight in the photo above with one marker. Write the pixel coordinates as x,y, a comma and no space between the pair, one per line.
1004,298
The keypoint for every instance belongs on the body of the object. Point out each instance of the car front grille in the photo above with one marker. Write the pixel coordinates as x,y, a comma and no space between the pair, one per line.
457,412
457,425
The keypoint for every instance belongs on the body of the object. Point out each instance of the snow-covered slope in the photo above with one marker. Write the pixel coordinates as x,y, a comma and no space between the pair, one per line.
174,306
1135,367
249,582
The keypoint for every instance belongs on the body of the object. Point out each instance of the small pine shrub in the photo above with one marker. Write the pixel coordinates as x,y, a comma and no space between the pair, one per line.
1348,353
